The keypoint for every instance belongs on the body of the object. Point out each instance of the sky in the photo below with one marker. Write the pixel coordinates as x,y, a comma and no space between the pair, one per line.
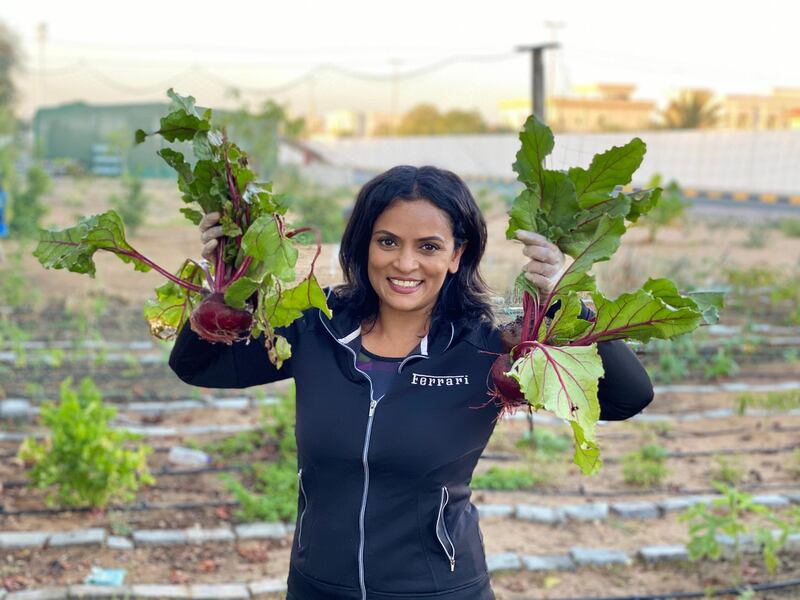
382,56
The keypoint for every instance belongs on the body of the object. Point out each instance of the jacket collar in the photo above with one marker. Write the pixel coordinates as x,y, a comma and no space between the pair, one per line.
346,328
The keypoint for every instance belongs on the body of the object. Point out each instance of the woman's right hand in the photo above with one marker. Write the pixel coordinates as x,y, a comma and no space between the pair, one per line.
210,232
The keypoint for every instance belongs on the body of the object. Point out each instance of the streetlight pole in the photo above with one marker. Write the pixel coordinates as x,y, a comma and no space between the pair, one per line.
537,75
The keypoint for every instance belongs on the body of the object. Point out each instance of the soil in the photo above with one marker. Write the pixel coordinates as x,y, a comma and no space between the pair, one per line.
78,307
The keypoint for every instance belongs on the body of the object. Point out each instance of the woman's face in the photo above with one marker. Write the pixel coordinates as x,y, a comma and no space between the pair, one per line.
410,253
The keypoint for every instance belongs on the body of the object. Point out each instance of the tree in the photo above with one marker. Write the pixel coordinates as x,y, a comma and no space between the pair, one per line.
425,119
260,131
692,109
463,121
9,62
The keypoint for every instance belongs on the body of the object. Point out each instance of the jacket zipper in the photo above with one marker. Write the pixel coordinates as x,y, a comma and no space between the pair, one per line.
372,405
305,506
451,554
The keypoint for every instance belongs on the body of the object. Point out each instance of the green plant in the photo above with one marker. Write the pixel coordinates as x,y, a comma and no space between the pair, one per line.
675,358
315,205
645,467
669,208
499,478
133,367
235,445
546,443
554,364
721,365
15,337
16,291
55,357
772,401
727,470
27,209
794,465
82,455
35,391
275,495
726,516
272,491
119,524
790,227
131,204
756,236
255,257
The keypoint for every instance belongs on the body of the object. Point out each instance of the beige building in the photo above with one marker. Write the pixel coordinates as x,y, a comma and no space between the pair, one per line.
780,110
344,123
601,107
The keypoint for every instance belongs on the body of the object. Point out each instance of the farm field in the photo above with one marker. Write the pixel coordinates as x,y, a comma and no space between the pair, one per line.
727,409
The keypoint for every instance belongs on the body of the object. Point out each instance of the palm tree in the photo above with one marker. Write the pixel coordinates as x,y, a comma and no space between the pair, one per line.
692,109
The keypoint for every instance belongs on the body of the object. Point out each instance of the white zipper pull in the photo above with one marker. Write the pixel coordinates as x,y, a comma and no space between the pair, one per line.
372,406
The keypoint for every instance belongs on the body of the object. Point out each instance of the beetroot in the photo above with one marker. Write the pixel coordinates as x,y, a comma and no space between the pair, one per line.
505,392
215,321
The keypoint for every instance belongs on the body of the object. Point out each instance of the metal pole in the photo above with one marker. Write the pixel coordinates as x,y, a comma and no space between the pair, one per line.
538,84
537,76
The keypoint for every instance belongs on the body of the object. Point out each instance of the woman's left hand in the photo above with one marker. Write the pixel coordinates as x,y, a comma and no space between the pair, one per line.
547,261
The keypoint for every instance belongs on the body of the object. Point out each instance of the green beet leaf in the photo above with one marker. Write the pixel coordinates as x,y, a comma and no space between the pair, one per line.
610,169
585,213
256,255
641,315
73,248
284,308
263,241
173,304
563,380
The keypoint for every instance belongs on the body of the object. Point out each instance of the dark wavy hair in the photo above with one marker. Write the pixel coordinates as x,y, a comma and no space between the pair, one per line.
464,295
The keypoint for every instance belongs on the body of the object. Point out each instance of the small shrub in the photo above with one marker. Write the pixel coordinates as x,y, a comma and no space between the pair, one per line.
726,470
674,358
235,445
668,210
726,516
498,478
272,493
772,401
545,443
756,236
790,227
274,497
645,467
721,365
82,456
132,203
27,209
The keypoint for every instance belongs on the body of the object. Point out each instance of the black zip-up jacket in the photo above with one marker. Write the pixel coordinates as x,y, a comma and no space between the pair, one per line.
384,505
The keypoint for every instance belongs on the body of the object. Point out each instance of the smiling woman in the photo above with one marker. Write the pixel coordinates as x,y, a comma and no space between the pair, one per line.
423,237
392,411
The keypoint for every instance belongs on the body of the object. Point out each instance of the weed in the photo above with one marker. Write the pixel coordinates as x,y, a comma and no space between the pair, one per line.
727,470
499,478
645,467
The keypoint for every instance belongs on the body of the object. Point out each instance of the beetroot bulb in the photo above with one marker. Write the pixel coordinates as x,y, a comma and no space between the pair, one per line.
215,321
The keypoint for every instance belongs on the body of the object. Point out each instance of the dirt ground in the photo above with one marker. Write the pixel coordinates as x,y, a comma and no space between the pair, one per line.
762,449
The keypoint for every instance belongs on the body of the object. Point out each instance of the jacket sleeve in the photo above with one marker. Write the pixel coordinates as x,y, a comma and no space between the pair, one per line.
240,365
625,389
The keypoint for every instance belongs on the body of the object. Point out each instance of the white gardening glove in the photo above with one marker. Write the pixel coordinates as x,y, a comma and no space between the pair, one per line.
547,263
209,234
